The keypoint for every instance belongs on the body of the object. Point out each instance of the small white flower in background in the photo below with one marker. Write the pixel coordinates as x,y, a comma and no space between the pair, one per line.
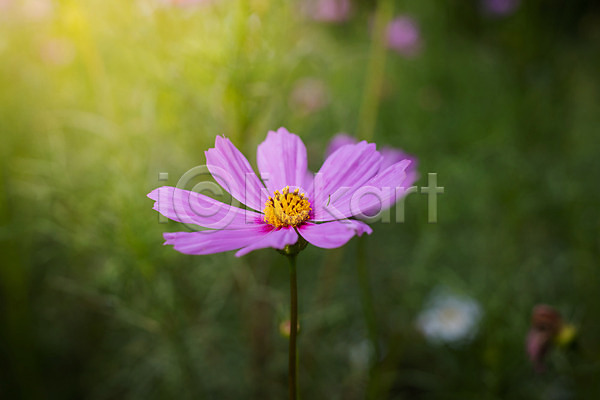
449,318
360,355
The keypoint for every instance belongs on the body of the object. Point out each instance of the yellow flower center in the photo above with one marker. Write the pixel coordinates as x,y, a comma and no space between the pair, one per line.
286,209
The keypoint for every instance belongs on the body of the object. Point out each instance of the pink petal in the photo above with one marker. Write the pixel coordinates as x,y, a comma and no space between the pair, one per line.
333,234
393,155
277,239
345,170
232,170
195,208
309,179
209,242
281,160
538,344
379,193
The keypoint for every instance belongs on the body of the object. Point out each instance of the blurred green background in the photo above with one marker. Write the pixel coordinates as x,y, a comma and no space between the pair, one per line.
98,97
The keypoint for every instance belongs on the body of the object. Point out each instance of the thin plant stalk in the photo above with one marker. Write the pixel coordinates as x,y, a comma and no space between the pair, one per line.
292,375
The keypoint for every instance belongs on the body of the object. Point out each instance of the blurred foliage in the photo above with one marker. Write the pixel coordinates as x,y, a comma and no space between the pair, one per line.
97,97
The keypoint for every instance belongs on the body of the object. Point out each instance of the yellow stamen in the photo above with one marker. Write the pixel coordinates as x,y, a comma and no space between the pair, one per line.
287,209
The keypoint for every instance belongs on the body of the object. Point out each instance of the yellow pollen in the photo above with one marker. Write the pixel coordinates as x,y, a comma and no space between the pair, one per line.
287,209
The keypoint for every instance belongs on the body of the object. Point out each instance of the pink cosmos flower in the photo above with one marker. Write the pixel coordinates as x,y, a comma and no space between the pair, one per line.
185,3
500,7
292,203
332,11
57,52
5,4
404,36
37,10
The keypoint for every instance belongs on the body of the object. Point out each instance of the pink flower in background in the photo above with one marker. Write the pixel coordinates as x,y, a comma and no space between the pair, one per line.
37,10
186,3
390,155
57,52
5,4
500,7
339,140
404,36
332,11
291,203
309,95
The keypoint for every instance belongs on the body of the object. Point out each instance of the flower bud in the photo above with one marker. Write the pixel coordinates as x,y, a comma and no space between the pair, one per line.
546,323
284,328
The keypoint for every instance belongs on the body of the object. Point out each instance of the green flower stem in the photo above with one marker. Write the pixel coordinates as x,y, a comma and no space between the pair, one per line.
293,327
